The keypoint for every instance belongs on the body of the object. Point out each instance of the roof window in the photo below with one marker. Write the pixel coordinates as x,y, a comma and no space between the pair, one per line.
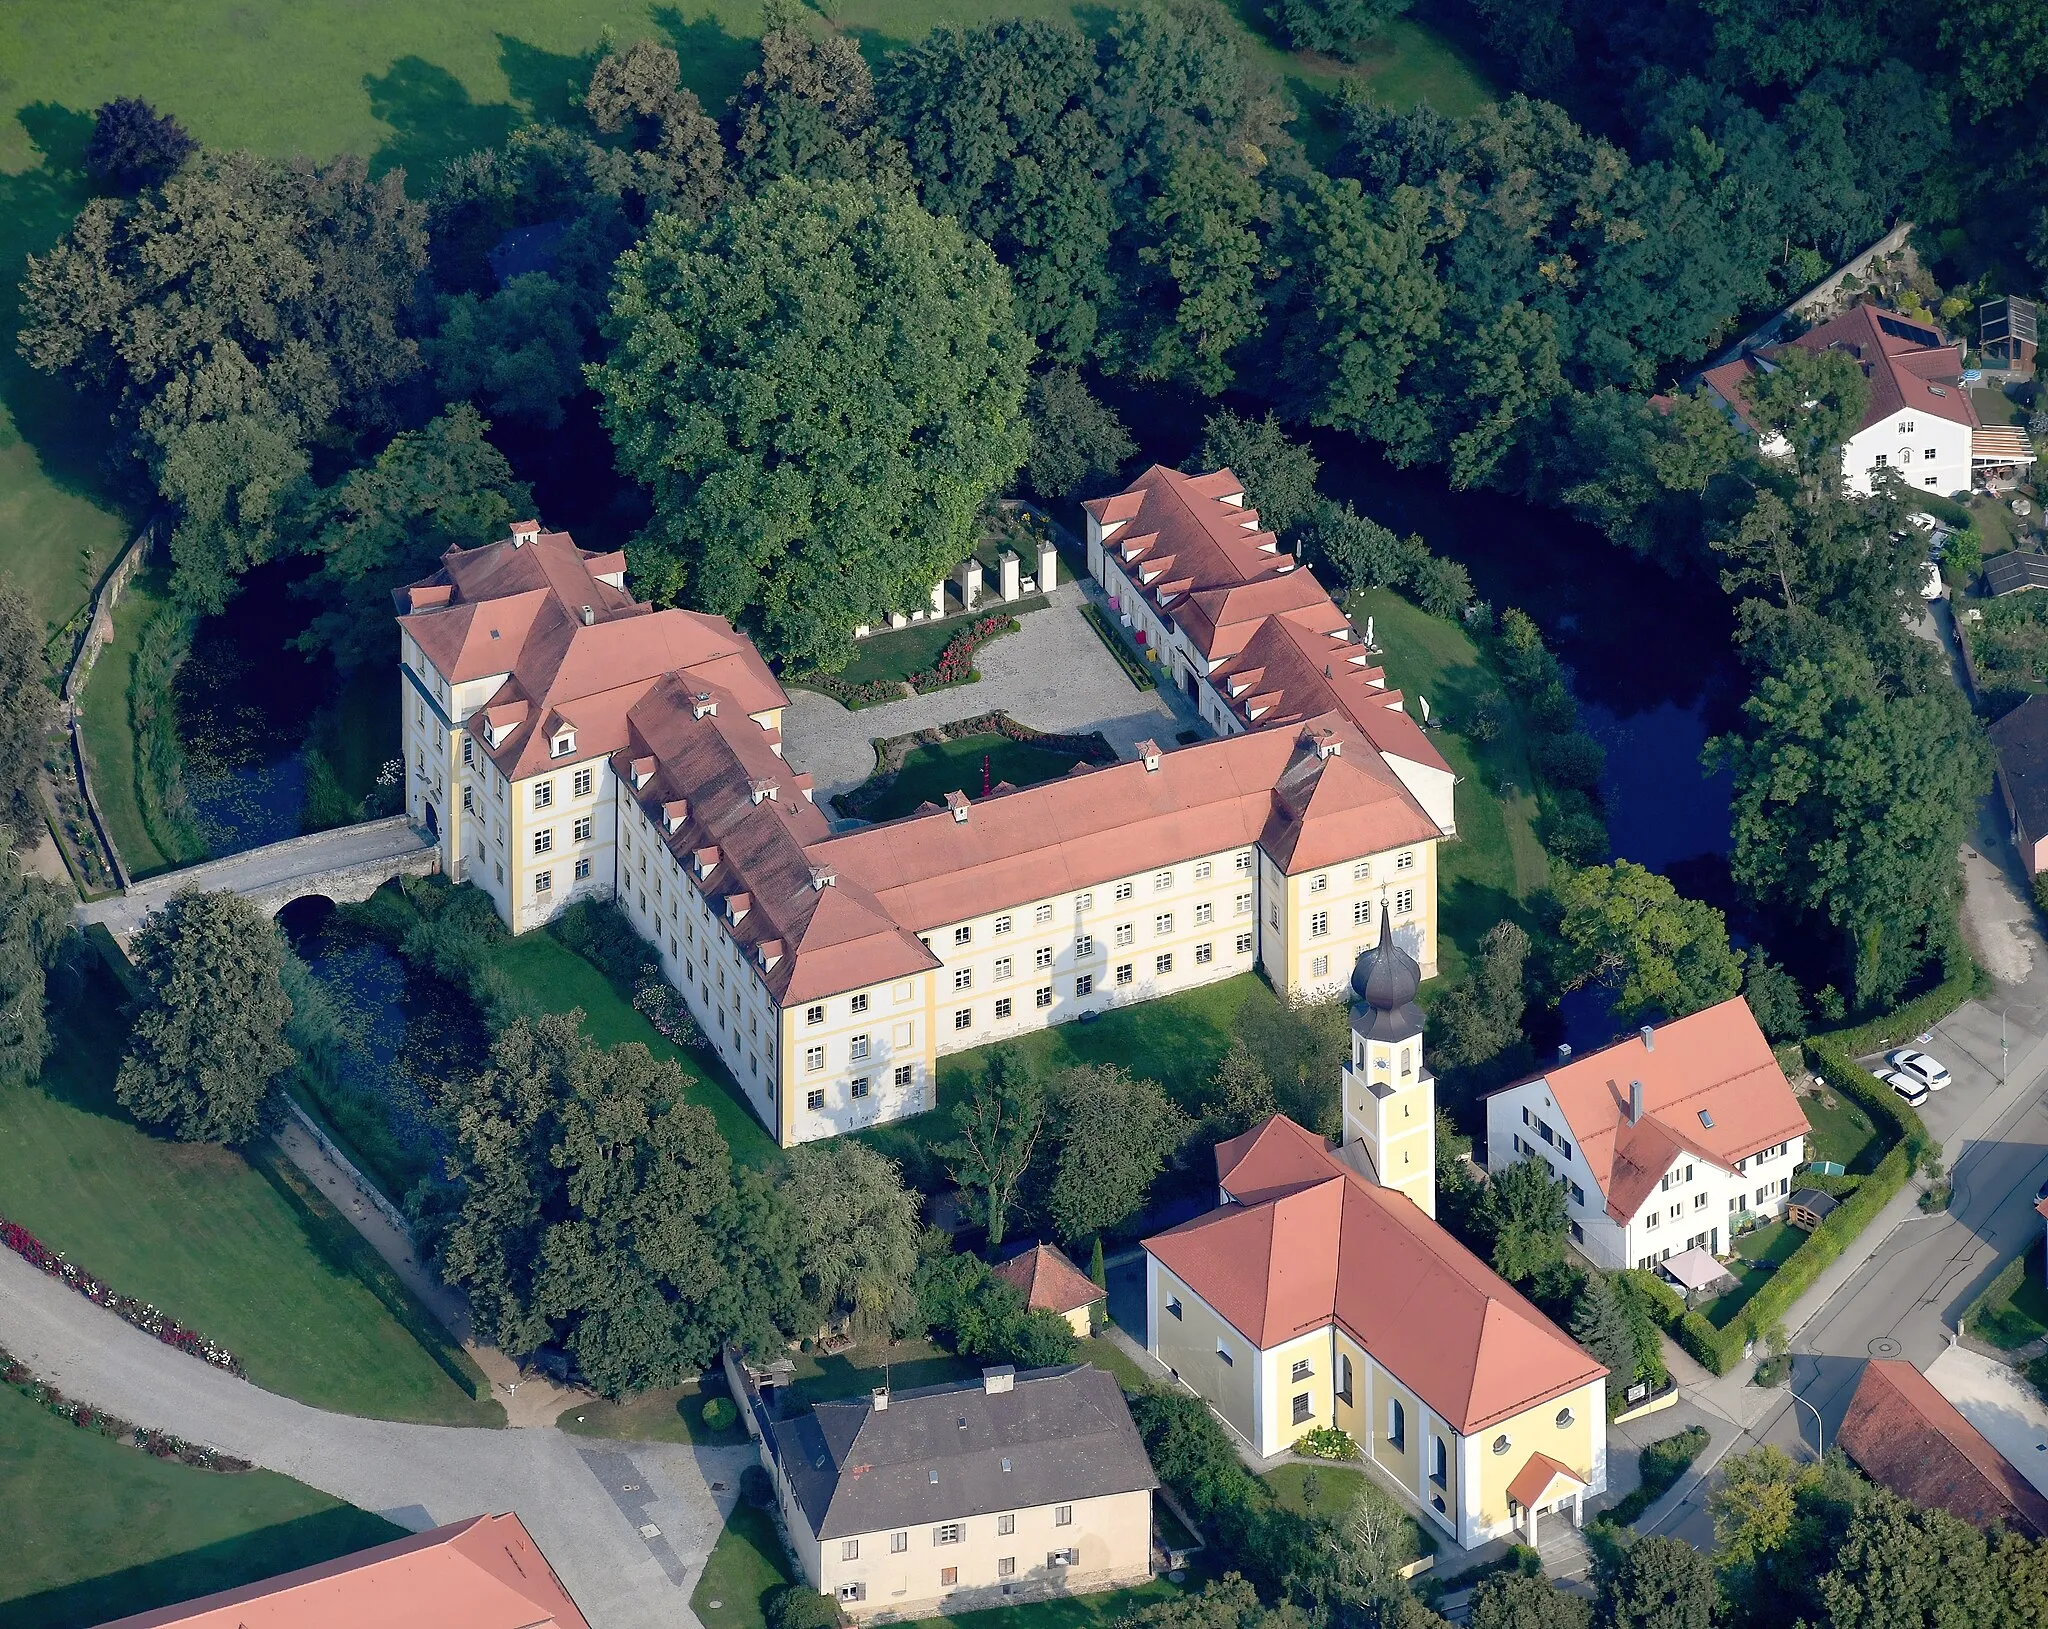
1706,1119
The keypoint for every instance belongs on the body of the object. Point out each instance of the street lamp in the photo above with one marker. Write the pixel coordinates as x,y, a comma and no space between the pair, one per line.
1819,1430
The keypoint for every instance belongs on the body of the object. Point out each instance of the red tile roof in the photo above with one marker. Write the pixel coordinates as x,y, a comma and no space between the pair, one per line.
1307,1240
1908,1436
1908,365
1533,1480
485,1573
1049,1280
1715,1062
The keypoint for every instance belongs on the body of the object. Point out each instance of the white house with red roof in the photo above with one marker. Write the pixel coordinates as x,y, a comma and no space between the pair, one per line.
1920,422
1666,1141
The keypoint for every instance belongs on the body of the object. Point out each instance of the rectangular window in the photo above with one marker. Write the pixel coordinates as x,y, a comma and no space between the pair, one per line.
946,1533
583,829
1042,956
1405,861
1204,915
1319,967
1361,871
1006,1566
1002,968
1041,914
1302,1369
1223,1352
1163,964
1173,1307
963,936
857,1048
543,881
815,1099
469,797
1084,944
1244,944
1578,1194
1301,1408
1202,870
1059,1558
1161,881
1005,1526
853,1592
849,1549
1084,902
903,1075
815,1014
1003,925
860,1086
898,1543
1063,1515
1002,1009
1319,924
544,840
1881,460
1652,1219
1205,953
1699,1201
948,1576
859,1003
1404,901
1343,1377
963,978
1162,923
1084,985
814,1059
1123,890
1123,972
543,794
1243,905
1243,861
583,869
582,783
1361,913
1126,932
1042,997
964,1018
468,750
1319,883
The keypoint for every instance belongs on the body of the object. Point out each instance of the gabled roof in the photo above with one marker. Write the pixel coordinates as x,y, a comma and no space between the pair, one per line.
946,1453
1048,1279
1711,1088
1909,1437
1910,367
2021,742
485,1573
1307,1240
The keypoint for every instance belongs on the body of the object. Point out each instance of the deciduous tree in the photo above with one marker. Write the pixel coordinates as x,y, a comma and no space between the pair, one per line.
1114,1133
1520,1215
133,145
28,712
1279,473
35,919
208,1039
1658,1583
1628,929
1076,441
995,1137
859,1235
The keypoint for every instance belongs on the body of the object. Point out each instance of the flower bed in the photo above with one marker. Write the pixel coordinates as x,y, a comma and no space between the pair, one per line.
891,755
157,1444
954,665
141,1314
657,1000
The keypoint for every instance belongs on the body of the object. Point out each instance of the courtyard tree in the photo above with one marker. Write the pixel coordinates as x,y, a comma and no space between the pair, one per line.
1239,1096
1114,1133
208,1041
1521,1600
859,1231
35,919
995,1137
821,387
1629,930
1815,401
1600,1323
1520,1216
28,712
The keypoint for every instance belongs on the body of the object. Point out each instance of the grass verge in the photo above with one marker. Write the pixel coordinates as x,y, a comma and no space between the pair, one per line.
96,1530
668,1414
2013,1309
203,1233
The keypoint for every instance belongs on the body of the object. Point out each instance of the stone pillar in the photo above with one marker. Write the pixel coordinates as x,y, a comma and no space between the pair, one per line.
1008,575
970,582
938,599
1048,568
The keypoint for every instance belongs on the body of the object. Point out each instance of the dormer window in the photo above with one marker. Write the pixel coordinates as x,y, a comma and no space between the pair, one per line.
563,745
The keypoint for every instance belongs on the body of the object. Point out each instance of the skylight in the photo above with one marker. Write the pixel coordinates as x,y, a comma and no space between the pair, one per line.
1706,1119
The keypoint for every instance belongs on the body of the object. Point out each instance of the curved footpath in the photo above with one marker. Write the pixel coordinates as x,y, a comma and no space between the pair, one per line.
626,1524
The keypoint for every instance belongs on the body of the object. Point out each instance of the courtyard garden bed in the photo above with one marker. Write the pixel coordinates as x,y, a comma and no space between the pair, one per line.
923,767
914,660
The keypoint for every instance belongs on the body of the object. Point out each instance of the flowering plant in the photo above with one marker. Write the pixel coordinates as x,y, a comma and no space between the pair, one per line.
149,1319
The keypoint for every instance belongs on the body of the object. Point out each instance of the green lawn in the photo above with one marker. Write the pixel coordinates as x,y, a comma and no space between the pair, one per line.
96,1530
898,655
2013,1320
930,772
1104,1353
206,1236
1177,1040
1337,1485
109,729
1495,863
859,1370
558,979
1842,1131
1758,1254
669,1414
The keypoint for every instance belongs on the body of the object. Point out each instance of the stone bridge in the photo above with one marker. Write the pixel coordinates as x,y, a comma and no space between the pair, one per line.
345,865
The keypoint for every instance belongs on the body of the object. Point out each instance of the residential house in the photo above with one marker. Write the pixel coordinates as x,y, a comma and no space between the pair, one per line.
1666,1141
1920,422
1050,1282
485,1573
564,742
1906,1435
1319,1295
1014,1487
2020,740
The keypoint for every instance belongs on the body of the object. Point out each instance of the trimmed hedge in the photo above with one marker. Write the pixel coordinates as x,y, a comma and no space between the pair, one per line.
1999,1289
1921,1013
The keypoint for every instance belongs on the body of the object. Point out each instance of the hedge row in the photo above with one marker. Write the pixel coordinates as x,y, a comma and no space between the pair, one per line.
1721,1349
1922,1013
1998,1290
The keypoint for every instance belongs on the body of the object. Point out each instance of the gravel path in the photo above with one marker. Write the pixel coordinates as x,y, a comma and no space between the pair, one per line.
1052,674
589,1503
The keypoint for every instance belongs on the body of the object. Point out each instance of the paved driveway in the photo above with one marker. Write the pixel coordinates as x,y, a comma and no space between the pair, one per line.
626,1525
1052,674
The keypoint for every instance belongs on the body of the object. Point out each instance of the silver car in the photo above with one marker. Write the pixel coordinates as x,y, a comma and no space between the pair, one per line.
1919,1066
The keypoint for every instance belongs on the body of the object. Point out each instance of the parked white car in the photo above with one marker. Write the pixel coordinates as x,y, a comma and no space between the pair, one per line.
1919,1066
1910,1089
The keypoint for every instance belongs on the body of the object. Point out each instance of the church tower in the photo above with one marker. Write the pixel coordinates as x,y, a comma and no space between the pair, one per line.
1389,1097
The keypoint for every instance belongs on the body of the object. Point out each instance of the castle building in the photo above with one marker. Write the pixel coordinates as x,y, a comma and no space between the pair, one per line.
564,742
1321,1293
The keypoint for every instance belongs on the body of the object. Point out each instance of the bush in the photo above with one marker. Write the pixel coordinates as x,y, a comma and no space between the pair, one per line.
1663,1462
1442,587
1574,760
756,1488
1326,1442
798,1606
719,1414
1554,710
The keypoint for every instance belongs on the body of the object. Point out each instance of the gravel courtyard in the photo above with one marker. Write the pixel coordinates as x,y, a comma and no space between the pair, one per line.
1052,674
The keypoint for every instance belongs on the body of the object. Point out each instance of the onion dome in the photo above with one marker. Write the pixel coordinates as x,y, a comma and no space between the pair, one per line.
1383,987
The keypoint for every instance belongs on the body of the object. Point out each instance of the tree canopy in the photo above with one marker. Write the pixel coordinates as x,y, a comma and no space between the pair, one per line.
28,712
1629,929
821,386
1114,1133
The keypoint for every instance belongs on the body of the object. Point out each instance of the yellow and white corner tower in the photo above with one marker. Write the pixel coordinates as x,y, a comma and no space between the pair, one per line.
1389,1097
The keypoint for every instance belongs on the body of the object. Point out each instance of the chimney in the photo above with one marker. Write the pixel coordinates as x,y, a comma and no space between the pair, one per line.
701,704
1564,1051
1649,1038
1635,1101
997,1380
589,617
957,802
1148,754
525,532
880,1397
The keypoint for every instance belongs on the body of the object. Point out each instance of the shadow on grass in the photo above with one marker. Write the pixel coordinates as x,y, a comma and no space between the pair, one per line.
713,61
228,1564
545,83
432,120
